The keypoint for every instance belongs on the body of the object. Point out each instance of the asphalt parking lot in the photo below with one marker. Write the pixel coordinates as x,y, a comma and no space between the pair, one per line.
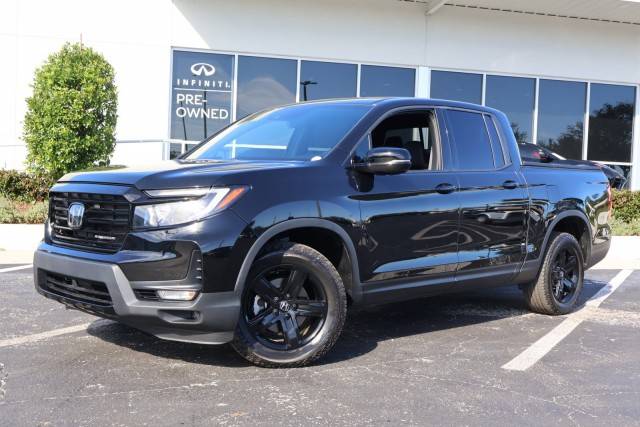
435,361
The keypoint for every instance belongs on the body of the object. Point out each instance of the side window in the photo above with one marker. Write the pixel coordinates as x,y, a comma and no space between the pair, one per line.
496,145
472,144
414,131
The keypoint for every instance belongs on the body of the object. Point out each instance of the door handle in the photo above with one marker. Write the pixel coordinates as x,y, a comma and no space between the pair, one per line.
445,188
510,185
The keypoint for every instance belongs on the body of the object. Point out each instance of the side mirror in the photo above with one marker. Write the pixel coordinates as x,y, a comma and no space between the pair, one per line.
385,161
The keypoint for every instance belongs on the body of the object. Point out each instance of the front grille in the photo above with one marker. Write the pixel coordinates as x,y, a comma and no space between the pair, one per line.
104,226
79,290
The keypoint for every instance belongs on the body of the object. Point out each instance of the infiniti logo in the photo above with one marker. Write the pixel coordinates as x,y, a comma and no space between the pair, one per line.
75,215
200,68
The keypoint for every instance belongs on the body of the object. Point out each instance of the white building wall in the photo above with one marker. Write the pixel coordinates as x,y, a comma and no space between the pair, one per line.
378,31
137,36
133,37
516,43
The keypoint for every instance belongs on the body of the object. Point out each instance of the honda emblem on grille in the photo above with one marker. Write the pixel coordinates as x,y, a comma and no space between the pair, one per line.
74,217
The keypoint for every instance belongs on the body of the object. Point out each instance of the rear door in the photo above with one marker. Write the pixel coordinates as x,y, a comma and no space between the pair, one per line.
493,201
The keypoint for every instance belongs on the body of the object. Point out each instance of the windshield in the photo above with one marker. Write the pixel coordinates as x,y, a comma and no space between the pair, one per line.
297,132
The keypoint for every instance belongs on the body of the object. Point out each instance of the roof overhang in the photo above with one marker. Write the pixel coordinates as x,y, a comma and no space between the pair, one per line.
617,11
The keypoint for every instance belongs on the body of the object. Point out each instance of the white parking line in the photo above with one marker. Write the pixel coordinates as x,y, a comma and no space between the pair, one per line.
43,335
607,290
19,267
544,345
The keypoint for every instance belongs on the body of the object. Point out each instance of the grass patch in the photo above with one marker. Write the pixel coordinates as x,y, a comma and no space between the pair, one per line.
622,228
15,212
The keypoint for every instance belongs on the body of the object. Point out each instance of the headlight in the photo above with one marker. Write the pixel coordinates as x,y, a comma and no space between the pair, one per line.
198,203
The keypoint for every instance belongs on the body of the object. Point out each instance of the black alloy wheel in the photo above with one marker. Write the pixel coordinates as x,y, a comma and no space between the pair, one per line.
293,308
564,275
561,277
285,307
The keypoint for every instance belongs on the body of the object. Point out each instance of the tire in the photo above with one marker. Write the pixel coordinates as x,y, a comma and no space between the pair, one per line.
293,308
560,280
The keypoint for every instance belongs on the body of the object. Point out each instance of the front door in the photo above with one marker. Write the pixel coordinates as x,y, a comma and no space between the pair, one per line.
409,220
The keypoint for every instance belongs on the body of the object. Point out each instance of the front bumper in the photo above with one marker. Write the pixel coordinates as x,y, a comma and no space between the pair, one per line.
210,319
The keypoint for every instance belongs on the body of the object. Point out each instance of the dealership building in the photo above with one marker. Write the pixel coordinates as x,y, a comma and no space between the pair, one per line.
566,72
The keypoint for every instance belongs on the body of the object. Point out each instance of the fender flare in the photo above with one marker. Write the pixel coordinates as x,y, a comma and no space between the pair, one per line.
355,291
562,215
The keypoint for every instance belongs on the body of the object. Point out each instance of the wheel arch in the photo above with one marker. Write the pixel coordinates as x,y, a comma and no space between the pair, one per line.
576,223
286,227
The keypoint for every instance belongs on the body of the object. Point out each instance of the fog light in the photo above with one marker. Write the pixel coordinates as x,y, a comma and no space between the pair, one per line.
177,295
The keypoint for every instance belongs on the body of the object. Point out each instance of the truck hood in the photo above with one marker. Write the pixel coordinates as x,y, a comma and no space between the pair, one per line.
178,173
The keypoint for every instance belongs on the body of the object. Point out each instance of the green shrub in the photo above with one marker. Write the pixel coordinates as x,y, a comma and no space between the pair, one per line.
24,187
71,116
626,205
13,212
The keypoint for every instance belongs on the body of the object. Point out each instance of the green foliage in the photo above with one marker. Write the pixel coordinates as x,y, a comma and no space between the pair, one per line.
626,205
71,116
24,187
13,212
621,228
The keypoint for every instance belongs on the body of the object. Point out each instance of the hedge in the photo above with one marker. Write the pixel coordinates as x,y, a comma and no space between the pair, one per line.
24,187
626,205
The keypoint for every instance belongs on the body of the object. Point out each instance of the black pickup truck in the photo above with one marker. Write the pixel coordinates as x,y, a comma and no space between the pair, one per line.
265,233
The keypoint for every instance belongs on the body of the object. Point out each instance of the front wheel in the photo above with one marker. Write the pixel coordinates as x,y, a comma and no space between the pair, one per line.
293,308
560,281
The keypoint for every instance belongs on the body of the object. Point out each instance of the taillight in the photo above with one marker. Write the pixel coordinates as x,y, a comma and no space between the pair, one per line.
609,201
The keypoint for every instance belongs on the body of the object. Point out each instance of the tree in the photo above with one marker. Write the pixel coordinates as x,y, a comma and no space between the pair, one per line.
71,115
520,135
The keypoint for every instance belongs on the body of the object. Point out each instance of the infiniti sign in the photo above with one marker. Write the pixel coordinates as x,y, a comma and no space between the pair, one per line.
202,93
200,68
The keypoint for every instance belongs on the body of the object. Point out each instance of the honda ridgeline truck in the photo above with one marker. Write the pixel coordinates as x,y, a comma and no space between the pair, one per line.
264,234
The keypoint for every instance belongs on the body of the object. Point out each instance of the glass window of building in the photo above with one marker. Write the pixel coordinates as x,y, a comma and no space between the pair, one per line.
611,122
175,150
201,94
387,81
561,109
514,96
466,87
264,83
324,80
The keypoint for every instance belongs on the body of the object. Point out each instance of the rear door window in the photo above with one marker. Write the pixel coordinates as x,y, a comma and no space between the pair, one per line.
472,145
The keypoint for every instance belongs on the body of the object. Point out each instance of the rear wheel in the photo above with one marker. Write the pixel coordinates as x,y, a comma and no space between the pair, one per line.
560,281
293,308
